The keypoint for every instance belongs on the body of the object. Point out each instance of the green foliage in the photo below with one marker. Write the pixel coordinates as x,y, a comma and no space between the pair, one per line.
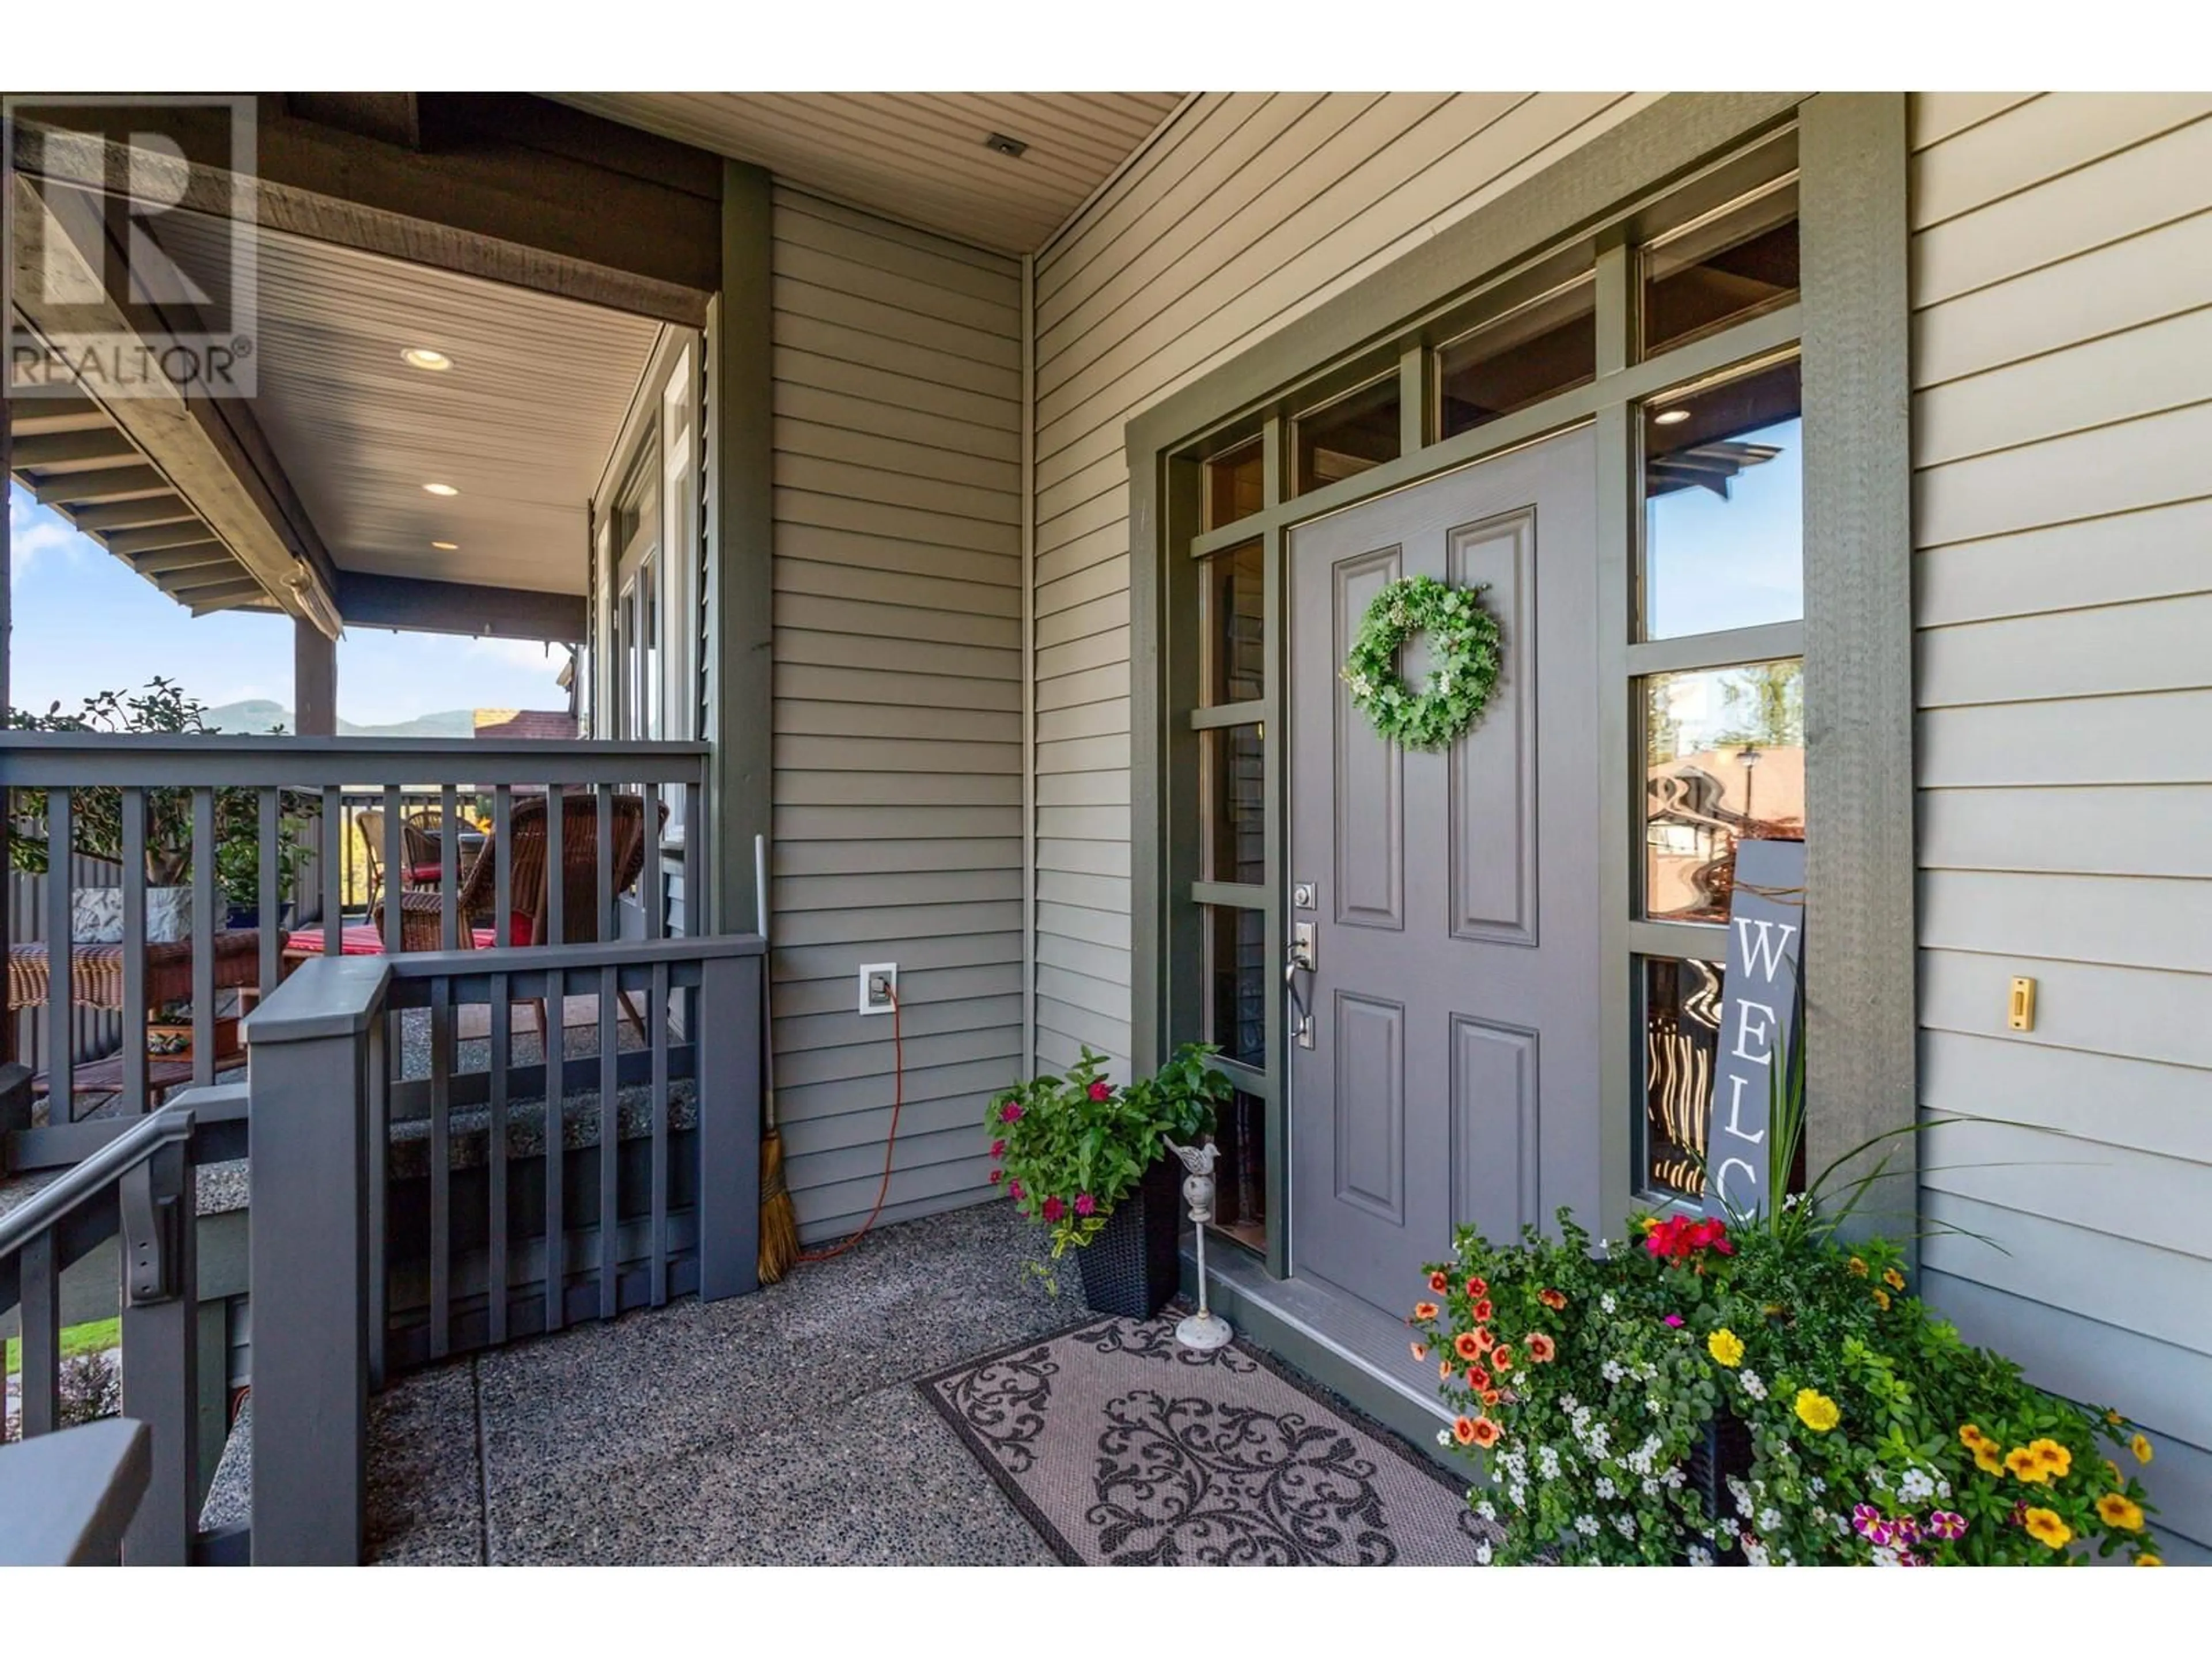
1868,1416
1072,1148
1464,649
96,813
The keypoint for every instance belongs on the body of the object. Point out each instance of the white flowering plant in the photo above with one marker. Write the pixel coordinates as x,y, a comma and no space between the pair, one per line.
1583,1378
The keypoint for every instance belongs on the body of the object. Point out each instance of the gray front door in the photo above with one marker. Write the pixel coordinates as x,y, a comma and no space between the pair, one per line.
1452,1075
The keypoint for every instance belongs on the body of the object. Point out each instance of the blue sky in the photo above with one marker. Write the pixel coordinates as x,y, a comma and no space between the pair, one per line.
85,623
1736,560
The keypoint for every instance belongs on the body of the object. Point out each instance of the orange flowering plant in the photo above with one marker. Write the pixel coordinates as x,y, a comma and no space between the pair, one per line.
1583,1380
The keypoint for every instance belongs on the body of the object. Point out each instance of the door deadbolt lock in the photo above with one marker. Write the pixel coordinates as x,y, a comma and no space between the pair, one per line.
1304,896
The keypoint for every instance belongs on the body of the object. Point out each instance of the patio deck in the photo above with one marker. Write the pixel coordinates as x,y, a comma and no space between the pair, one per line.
775,1429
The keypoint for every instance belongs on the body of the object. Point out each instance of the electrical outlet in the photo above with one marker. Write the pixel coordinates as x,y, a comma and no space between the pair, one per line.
879,985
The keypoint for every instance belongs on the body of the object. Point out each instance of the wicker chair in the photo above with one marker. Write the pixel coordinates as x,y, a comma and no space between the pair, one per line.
420,835
421,910
370,824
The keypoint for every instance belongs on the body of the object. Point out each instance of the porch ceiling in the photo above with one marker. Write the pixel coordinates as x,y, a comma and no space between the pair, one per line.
918,156
520,424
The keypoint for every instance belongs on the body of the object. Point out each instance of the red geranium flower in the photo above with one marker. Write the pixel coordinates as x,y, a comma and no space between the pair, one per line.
1085,1203
1015,1188
1476,1287
1010,1113
1102,1089
1054,1209
998,1148
1477,1378
1438,1283
1482,1310
997,1175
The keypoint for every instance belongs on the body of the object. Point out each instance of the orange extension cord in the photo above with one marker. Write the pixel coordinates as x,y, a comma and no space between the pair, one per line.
898,1101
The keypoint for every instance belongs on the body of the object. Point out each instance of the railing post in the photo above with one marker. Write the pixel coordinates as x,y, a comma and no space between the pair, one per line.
729,1126
308,1076
161,1349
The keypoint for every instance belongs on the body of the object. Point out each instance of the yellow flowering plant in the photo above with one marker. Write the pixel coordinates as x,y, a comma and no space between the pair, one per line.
1593,1383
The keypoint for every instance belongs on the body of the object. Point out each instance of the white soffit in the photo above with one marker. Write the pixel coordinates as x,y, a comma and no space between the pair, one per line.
917,156
520,425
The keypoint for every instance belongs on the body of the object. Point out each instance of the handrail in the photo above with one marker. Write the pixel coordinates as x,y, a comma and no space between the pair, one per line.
76,759
88,1180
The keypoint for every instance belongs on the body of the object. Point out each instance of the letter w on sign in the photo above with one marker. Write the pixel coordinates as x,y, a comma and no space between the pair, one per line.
1759,1020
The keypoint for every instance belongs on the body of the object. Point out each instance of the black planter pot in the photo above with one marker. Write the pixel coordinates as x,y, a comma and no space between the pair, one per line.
1132,1267
1724,1450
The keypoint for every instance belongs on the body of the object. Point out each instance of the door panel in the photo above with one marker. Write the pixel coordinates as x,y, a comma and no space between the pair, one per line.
1452,1075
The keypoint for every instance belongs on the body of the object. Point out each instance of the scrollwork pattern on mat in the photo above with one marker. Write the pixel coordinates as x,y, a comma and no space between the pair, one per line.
1003,1403
1156,1340
1187,1481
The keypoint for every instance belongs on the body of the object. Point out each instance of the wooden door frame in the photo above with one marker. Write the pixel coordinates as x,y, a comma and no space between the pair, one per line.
1851,324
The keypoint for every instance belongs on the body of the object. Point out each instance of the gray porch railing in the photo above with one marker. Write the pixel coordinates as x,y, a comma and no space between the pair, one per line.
311,785
399,1218
142,1182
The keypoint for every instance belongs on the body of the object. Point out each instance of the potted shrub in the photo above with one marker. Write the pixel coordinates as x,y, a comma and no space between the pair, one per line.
1090,1162
1755,1388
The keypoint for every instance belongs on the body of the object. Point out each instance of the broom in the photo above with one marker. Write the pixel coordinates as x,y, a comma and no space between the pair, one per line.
779,1223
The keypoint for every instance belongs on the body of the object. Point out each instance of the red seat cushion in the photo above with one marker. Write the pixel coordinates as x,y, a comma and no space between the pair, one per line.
425,871
361,940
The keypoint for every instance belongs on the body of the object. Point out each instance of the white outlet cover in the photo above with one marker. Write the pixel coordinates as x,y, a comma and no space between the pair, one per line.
868,971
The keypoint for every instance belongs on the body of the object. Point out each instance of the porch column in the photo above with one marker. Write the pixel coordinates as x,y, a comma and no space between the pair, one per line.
314,681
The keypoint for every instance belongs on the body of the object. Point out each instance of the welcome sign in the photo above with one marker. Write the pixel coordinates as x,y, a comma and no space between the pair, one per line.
1758,1020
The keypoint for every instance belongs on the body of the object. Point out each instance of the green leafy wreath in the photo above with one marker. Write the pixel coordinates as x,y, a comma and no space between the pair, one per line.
1464,649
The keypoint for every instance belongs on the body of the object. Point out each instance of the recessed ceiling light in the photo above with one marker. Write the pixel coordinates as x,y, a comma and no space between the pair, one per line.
423,357
1004,145
441,489
1670,418
447,547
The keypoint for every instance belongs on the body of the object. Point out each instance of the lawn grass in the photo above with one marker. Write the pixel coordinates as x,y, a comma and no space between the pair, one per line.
89,1338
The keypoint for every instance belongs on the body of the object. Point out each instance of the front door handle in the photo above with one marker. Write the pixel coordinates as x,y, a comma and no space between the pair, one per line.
1299,959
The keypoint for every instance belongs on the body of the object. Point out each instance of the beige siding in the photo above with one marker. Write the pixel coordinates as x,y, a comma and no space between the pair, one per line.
1251,210
2062,415
897,743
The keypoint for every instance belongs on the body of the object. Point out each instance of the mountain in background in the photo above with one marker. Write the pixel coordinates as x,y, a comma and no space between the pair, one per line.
259,715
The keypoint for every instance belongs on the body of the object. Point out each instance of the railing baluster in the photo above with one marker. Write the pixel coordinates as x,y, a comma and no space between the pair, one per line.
608,927
395,871
657,1005
332,874
502,869
502,1010
203,932
40,1281
441,1166
653,884
556,865
161,1349
136,1097
610,1145
695,835
551,1029
61,960
270,901
449,869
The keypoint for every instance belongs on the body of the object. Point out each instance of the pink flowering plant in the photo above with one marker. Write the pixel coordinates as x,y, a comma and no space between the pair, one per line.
1067,1149
1581,1378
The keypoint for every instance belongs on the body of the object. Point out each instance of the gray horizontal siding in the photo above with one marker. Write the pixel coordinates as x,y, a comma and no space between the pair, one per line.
897,722
2061,412
1250,210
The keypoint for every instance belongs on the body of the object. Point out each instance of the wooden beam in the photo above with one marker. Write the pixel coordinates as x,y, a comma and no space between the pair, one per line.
195,556
131,515
430,607
42,452
514,194
56,414
205,601
154,538
210,449
115,484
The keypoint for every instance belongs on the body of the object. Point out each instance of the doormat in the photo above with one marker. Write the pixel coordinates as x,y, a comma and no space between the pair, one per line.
1122,1448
